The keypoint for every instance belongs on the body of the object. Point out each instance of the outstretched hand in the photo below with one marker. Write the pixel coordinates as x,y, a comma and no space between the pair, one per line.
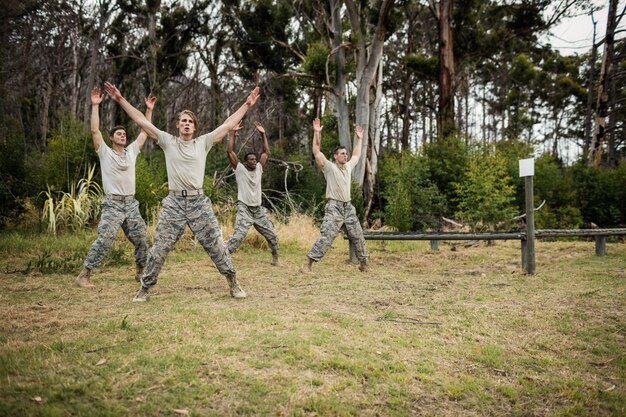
254,95
259,127
238,127
96,95
113,92
316,125
359,132
150,101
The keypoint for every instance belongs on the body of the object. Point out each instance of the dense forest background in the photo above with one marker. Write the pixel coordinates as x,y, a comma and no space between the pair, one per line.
451,93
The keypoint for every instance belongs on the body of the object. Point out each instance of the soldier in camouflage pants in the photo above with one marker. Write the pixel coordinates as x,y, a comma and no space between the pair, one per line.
340,213
119,212
178,211
249,210
119,208
248,216
186,204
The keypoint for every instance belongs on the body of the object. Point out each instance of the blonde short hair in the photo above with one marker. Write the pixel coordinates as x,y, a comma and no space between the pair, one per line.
190,114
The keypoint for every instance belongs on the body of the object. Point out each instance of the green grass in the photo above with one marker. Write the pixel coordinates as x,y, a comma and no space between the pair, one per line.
444,333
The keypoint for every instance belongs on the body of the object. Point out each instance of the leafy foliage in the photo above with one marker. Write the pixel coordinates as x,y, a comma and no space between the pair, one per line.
601,194
447,162
150,181
486,196
413,201
69,152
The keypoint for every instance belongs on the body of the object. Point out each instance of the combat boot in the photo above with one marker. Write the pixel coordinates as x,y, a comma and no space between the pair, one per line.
235,289
275,260
364,266
83,279
142,296
306,267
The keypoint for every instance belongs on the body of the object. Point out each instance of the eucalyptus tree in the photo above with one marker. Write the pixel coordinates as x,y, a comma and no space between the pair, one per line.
354,34
604,87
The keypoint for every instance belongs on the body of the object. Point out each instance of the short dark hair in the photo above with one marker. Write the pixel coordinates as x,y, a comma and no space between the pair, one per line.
338,148
245,158
115,129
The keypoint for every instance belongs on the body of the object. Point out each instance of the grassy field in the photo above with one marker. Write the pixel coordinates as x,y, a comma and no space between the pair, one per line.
450,333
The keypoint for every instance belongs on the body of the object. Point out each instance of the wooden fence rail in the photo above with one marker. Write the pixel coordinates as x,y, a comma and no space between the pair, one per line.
600,236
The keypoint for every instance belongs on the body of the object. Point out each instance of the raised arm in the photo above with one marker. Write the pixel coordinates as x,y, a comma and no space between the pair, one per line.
234,119
232,155
150,102
320,159
266,146
134,114
96,135
356,150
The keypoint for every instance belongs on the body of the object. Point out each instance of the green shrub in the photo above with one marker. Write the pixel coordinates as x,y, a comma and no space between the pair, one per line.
68,155
150,181
601,194
567,217
447,161
412,201
486,196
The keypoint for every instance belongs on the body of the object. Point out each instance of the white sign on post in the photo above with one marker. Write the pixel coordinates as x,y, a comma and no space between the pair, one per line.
527,167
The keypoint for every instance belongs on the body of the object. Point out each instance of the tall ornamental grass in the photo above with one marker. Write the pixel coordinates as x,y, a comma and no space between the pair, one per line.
73,209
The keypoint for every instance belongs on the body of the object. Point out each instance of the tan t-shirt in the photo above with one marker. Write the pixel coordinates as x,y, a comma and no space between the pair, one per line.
338,181
185,160
249,184
118,170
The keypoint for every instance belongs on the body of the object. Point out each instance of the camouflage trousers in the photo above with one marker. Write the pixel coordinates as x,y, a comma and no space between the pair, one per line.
176,213
116,214
252,216
337,216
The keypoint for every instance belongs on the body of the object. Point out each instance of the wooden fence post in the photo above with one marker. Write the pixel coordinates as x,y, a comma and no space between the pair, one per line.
524,255
527,170
530,227
600,245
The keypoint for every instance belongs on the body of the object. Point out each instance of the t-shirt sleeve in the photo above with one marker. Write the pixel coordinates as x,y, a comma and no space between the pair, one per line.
326,167
208,141
102,149
163,138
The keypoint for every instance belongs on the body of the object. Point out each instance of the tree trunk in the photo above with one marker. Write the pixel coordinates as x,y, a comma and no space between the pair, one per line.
45,111
343,119
407,87
371,167
612,154
103,13
602,103
74,77
368,60
152,58
590,79
446,70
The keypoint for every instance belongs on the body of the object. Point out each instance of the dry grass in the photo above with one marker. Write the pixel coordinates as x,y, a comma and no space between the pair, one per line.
443,333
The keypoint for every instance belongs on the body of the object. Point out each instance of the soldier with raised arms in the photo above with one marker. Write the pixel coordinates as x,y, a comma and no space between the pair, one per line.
250,212
186,204
119,207
339,211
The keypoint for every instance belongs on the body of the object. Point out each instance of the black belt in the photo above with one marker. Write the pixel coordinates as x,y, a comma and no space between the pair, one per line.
119,197
341,203
185,193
